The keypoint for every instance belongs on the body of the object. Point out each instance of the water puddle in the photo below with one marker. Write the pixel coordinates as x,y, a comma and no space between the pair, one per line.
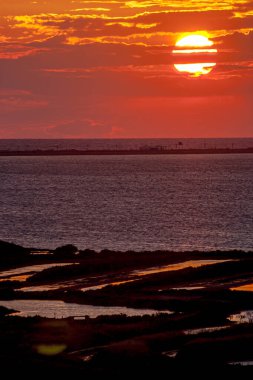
178,266
27,272
242,317
136,274
205,330
242,363
41,252
170,354
102,286
244,288
69,284
87,358
60,309
20,278
23,273
40,288
190,288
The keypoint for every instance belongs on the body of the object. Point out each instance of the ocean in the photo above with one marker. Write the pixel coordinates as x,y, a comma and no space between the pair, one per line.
174,202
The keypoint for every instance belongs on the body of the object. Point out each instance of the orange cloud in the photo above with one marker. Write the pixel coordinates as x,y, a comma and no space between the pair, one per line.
80,68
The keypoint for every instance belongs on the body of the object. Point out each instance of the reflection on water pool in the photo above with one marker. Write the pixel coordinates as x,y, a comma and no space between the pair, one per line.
189,288
40,288
129,277
23,273
244,288
242,317
242,363
60,309
205,330
102,286
177,266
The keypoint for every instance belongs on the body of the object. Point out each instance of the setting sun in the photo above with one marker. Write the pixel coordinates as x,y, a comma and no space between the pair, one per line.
191,46
194,40
195,69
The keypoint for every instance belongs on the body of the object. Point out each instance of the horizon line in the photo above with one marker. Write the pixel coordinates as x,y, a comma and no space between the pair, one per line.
124,138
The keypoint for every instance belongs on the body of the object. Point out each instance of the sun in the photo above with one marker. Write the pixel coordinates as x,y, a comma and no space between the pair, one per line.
189,48
194,40
195,69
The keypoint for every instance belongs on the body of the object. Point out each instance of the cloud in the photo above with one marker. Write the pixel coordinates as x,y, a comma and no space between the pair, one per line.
105,69
104,28
80,128
13,100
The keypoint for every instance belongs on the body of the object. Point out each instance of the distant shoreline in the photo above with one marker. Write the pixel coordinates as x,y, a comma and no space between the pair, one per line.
127,152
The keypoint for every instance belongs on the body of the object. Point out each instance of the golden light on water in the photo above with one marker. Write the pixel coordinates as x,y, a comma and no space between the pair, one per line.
191,46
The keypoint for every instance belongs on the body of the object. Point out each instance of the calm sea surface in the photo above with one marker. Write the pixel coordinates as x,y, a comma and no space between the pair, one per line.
128,202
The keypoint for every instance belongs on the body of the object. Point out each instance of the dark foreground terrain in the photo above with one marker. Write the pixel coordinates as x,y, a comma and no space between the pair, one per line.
201,324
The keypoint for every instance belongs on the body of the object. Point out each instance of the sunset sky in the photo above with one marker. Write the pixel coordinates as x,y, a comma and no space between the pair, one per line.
73,69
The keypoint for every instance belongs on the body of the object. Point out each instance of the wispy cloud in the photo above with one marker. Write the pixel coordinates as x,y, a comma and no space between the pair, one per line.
76,68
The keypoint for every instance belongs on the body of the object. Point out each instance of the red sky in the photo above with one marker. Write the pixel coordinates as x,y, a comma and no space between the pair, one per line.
72,69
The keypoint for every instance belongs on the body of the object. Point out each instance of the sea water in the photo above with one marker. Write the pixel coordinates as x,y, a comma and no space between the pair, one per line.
169,202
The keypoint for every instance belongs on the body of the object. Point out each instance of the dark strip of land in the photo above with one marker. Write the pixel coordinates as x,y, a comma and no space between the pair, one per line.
198,339
107,152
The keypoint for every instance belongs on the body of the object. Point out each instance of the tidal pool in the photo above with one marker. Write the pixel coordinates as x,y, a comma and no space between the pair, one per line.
23,273
242,317
40,288
133,276
60,309
206,330
177,266
242,363
189,288
244,288
102,286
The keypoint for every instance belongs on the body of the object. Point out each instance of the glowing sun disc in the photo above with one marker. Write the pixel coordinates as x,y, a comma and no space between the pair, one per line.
191,46
194,40
194,51
195,69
